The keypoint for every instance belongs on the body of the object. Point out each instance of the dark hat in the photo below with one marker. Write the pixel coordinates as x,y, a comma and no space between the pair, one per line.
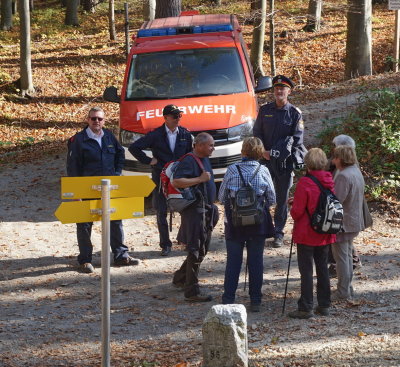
171,109
282,81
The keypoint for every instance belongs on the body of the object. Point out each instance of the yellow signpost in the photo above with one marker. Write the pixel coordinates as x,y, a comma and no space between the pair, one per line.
128,194
90,210
90,187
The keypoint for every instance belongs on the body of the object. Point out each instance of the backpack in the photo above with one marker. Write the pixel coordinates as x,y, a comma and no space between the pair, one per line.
177,199
328,215
247,208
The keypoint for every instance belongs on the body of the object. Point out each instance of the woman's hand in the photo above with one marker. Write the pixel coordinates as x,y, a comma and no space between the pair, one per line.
290,201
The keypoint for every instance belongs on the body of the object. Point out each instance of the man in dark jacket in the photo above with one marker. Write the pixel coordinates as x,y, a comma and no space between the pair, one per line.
167,143
95,152
199,219
280,127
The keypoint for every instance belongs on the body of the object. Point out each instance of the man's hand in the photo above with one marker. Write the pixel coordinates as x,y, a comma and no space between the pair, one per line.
267,155
205,177
153,161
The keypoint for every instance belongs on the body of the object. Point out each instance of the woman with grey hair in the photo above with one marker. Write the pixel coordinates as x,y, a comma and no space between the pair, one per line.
349,188
347,140
344,140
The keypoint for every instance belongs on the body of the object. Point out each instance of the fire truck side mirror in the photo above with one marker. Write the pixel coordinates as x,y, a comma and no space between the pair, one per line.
110,94
264,83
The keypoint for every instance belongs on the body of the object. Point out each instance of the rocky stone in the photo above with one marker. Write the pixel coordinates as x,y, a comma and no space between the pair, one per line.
225,337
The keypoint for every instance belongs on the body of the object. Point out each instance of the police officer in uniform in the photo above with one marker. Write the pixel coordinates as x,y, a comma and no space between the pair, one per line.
280,127
167,143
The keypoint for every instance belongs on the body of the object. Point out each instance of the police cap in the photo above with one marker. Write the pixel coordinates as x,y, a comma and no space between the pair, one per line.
282,81
171,109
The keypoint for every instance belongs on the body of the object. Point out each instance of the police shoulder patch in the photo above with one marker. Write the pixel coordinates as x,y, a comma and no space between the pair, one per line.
301,125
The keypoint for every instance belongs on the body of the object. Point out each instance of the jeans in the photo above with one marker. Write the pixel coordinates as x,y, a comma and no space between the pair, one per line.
160,205
84,231
343,254
305,257
234,250
282,186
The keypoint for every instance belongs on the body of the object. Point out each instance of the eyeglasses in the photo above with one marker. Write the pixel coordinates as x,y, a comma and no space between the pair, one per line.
177,116
97,118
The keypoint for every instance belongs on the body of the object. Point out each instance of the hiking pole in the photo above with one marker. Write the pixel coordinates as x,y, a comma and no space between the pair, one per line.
245,274
287,277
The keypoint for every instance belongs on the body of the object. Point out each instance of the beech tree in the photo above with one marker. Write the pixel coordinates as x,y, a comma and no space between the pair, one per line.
168,8
111,20
149,9
272,37
313,16
25,49
257,45
6,15
359,39
71,13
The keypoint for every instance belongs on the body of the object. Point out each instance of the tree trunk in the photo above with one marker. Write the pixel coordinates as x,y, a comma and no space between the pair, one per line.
25,49
149,9
89,5
168,8
257,45
272,37
71,13
313,16
6,15
359,39
111,20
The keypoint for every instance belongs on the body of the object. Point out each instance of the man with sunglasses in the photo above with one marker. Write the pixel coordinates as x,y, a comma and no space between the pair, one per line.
167,143
95,151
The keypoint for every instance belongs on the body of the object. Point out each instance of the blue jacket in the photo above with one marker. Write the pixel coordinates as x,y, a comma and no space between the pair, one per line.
157,142
86,158
274,125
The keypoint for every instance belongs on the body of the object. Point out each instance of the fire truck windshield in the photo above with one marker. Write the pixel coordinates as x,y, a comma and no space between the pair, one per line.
185,73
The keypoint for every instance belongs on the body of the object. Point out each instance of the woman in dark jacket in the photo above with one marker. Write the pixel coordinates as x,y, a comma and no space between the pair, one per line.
311,246
253,236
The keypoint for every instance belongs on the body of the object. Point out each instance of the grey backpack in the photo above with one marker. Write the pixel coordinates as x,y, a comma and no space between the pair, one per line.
247,208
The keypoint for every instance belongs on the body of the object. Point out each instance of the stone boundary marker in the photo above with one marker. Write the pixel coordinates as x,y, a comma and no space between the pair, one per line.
225,337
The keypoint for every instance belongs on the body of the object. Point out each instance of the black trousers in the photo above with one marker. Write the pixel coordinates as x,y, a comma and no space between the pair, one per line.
306,256
188,273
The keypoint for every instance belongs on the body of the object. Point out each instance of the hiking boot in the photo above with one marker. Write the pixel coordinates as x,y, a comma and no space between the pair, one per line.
199,298
300,314
323,311
126,261
255,307
166,251
277,242
86,268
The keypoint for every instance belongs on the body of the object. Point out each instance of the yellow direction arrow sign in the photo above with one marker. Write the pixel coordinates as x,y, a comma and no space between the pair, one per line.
90,187
90,210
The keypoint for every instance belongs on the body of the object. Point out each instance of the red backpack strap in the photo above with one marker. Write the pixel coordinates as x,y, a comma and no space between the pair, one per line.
197,159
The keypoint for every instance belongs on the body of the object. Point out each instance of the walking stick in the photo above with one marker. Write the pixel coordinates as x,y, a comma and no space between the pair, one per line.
287,277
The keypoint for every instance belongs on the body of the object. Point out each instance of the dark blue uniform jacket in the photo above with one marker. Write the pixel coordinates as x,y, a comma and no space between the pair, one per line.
157,142
86,158
274,125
